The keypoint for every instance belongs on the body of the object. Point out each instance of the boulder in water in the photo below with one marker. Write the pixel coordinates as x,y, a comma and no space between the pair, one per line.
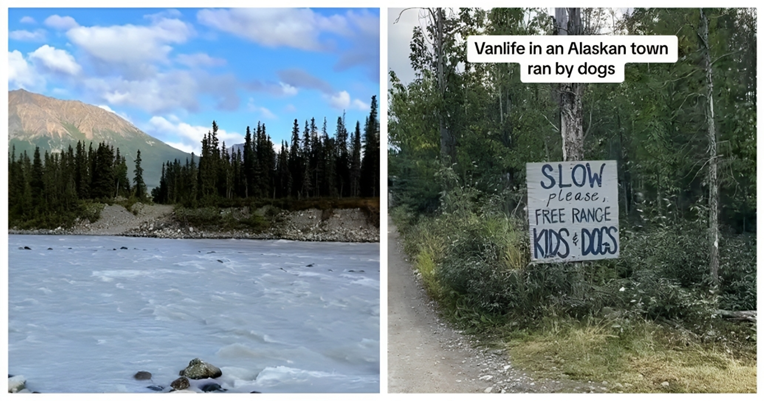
210,387
142,375
155,388
16,384
199,369
180,383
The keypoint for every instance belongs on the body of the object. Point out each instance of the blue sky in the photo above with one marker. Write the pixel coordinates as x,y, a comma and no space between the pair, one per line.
171,72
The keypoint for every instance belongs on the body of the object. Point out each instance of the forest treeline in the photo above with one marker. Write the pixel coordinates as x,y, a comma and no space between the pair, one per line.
47,189
53,189
311,165
460,135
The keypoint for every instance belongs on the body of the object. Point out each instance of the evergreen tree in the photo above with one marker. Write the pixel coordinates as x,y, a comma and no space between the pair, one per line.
249,164
370,165
307,188
138,184
37,183
343,159
295,161
121,181
356,163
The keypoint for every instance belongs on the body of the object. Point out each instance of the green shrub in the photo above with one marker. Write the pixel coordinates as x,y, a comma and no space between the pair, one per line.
214,218
92,211
738,273
475,261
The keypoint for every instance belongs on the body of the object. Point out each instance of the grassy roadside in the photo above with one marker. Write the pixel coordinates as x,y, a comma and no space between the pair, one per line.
624,327
646,358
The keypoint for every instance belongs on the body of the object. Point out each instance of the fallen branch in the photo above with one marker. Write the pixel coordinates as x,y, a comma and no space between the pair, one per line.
746,315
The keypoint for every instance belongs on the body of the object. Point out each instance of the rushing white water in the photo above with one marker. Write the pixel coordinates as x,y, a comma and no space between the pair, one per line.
275,316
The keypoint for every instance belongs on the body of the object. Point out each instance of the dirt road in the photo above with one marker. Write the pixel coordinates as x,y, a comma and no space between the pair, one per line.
425,355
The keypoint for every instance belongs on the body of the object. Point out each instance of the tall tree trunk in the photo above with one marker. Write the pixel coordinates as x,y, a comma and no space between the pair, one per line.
571,130
447,138
714,197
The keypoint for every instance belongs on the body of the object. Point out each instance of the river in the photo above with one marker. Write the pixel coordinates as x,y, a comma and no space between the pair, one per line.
88,312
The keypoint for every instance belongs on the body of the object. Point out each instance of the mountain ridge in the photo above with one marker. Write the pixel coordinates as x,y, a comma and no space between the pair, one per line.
54,124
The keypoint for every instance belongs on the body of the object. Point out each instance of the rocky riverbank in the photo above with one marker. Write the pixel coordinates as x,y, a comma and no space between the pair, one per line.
198,377
159,221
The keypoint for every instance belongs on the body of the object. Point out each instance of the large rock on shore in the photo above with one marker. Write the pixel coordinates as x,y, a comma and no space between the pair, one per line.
17,384
199,369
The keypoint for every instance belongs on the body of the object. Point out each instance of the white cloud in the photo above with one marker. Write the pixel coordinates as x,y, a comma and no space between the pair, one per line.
167,92
199,60
20,73
266,113
107,108
273,88
358,104
292,27
62,23
37,36
187,137
290,108
170,13
185,148
299,78
364,51
27,20
340,100
288,90
151,95
55,60
131,46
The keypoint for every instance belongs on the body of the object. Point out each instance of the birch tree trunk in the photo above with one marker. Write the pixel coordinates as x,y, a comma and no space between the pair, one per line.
571,126
714,197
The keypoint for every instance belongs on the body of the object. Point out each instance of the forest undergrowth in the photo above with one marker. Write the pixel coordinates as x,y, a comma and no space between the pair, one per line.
648,321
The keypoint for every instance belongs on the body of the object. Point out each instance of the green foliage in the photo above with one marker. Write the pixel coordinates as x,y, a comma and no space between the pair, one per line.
318,167
676,252
475,261
223,219
91,211
738,267
50,190
457,207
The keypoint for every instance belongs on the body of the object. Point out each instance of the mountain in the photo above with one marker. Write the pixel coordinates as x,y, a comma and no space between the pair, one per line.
238,146
54,124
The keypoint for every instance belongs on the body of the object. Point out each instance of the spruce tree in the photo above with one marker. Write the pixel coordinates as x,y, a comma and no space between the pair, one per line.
139,185
370,166
356,163
295,163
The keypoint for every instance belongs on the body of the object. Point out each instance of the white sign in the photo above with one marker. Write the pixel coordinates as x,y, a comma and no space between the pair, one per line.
573,210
